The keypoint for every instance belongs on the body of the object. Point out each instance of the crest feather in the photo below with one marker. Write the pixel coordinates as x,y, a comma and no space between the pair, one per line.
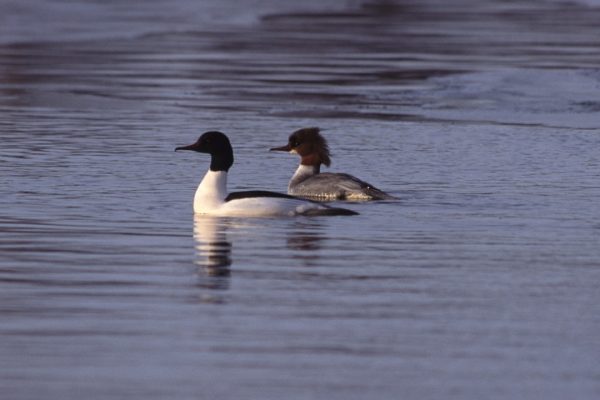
313,136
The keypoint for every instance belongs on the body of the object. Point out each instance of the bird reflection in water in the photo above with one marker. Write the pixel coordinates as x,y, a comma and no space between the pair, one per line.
306,239
213,251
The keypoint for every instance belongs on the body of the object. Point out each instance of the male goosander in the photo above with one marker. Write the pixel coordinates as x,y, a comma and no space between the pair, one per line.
211,196
308,181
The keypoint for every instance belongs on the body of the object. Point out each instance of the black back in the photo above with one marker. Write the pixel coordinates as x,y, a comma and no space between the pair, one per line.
258,193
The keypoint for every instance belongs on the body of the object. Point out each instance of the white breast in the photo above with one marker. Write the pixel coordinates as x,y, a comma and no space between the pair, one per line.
211,192
302,173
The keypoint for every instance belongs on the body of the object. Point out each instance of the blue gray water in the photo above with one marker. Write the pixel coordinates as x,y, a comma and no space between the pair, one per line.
481,282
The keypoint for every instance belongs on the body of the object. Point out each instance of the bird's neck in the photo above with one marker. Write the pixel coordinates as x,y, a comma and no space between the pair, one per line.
311,159
303,172
211,192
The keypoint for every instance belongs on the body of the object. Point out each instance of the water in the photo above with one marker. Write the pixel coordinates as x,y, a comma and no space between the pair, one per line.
480,283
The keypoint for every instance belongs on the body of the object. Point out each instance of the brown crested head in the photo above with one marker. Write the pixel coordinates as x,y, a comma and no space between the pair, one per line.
311,146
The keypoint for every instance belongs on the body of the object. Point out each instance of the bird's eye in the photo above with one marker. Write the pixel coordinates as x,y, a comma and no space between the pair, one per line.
295,143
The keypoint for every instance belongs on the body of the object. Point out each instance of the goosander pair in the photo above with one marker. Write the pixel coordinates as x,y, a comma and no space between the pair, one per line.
211,197
308,181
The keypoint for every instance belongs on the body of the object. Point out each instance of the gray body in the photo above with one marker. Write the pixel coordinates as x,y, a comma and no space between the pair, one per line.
309,182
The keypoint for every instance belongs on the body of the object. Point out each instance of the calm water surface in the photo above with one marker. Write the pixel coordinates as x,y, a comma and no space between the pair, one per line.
480,283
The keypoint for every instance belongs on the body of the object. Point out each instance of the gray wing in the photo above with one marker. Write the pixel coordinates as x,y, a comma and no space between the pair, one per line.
339,186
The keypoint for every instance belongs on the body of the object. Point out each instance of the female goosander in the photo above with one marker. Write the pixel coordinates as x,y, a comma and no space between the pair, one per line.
308,181
211,196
